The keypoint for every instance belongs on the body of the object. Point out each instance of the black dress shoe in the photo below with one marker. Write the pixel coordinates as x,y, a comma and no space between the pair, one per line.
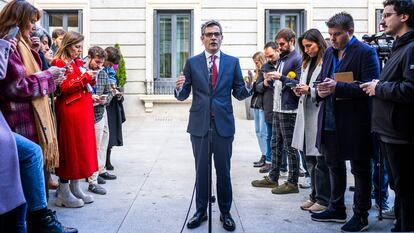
228,222
107,176
196,220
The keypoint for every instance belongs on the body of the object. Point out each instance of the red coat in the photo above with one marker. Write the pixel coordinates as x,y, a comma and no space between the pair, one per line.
76,130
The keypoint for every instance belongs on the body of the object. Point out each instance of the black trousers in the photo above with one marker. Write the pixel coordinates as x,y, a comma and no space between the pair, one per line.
222,150
361,169
399,161
320,182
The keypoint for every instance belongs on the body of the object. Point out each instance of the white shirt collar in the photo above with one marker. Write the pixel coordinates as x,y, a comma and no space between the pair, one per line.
209,54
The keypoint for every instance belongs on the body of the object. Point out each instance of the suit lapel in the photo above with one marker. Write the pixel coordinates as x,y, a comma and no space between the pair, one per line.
348,57
221,67
203,65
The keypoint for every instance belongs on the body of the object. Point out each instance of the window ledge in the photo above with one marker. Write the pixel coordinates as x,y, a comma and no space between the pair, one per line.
149,101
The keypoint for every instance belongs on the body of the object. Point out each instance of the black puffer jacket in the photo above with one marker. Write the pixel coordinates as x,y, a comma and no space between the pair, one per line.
393,105
257,98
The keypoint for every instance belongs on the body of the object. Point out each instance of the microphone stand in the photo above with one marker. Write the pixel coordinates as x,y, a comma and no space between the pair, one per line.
210,146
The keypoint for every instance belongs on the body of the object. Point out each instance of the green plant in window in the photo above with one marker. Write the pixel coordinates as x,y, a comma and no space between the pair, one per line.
121,71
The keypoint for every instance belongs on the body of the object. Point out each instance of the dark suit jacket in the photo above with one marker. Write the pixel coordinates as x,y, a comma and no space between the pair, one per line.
229,81
352,117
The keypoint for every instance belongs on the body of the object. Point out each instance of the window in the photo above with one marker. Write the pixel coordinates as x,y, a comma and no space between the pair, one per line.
378,16
70,20
173,45
278,19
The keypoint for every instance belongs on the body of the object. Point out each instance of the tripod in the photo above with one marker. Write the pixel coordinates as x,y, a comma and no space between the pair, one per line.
382,60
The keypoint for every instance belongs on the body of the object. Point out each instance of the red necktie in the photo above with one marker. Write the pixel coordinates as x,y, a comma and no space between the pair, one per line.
214,73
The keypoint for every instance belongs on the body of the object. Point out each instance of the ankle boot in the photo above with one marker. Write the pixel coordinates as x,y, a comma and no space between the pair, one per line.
260,163
66,198
77,192
108,164
48,223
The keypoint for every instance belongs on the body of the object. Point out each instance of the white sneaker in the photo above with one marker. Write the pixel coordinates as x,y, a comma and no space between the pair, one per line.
304,182
284,174
389,214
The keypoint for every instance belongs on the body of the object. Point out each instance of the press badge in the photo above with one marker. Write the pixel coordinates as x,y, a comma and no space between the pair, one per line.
411,67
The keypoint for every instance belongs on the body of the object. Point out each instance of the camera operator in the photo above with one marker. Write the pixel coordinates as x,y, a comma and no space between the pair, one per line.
393,107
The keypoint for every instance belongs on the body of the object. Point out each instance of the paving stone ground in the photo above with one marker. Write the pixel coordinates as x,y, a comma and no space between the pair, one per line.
155,170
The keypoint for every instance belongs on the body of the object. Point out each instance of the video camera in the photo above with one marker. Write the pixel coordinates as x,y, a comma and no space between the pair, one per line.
382,44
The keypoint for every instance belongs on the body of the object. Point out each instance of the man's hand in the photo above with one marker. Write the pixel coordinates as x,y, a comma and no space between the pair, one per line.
180,81
93,74
326,88
249,80
274,75
369,87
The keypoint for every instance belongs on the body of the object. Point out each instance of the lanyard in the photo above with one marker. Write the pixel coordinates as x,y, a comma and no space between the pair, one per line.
336,63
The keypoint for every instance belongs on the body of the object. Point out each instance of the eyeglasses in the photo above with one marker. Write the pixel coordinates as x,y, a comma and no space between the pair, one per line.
211,34
386,15
336,34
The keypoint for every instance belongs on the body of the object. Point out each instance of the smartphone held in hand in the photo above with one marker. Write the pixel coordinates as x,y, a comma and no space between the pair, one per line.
12,33
291,84
103,96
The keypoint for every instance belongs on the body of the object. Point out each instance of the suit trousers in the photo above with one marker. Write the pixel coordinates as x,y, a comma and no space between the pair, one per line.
361,169
222,150
399,161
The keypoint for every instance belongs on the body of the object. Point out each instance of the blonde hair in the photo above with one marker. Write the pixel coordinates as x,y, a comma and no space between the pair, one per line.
258,56
69,39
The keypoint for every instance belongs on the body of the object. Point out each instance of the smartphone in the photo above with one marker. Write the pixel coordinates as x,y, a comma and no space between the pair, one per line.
68,64
291,84
12,33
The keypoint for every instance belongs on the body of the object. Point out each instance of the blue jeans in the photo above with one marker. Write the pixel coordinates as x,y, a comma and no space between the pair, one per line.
268,143
14,220
260,127
31,173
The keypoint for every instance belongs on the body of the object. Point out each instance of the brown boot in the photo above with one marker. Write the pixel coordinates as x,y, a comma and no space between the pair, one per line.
52,184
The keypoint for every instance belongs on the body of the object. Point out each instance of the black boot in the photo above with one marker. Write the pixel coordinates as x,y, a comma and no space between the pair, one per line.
45,221
260,163
108,164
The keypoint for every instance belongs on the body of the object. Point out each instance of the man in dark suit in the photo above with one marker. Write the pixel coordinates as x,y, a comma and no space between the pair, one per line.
344,121
218,73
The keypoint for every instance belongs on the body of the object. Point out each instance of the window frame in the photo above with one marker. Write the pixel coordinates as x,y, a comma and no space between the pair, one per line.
300,13
174,13
47,12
